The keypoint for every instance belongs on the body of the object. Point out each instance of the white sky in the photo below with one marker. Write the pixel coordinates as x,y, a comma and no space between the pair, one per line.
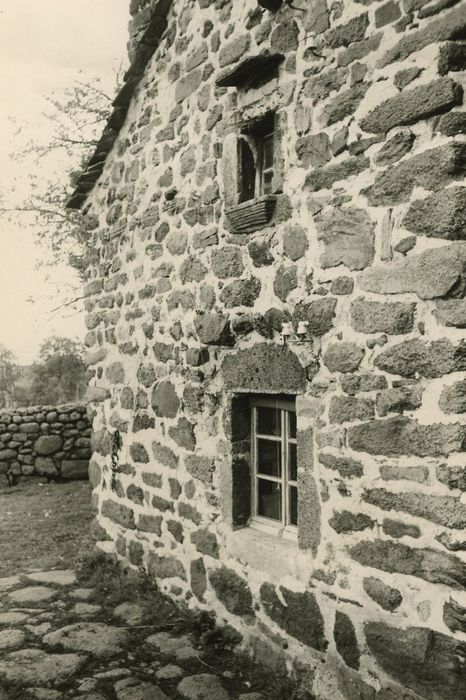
43,46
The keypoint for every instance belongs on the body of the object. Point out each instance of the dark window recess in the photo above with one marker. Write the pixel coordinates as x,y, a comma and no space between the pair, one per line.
247,171
241,480
252,72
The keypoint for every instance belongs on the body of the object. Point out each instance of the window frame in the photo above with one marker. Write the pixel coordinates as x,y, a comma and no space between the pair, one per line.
261,169
284,528
256,137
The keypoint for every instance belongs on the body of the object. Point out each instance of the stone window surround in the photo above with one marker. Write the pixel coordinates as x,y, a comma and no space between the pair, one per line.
252,143
254,214
261,550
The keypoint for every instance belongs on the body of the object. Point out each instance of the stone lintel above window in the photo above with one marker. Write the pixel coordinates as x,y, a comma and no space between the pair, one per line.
252,72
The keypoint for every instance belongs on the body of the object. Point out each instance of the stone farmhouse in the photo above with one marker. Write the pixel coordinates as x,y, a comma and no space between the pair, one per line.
275,312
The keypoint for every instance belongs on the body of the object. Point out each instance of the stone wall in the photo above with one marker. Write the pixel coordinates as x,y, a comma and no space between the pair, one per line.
365,242
50,441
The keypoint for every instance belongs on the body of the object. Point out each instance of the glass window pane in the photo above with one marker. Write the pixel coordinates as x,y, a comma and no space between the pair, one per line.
267,152
292,424
269,499
267,182
269,457
268,421
293,496
293,463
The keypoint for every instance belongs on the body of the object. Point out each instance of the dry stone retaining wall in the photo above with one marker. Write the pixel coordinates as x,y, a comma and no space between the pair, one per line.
367,243
50,441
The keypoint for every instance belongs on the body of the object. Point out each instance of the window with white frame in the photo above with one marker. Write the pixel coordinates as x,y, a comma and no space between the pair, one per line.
274,466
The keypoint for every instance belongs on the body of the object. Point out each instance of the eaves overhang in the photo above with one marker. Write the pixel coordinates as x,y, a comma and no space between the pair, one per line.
145,50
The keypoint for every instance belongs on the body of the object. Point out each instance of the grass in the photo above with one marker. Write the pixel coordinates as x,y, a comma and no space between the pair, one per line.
44,525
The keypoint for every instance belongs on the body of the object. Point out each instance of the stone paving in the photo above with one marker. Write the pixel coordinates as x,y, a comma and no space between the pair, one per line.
57,641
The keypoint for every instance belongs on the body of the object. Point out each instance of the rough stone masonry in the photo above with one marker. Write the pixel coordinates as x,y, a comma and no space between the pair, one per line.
50,441
361,235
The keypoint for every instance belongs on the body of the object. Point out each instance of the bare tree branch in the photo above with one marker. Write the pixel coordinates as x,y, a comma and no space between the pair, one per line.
67,303
76,118
34,210
89,87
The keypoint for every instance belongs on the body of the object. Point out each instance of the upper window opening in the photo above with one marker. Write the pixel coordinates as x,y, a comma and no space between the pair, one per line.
257,159
274,465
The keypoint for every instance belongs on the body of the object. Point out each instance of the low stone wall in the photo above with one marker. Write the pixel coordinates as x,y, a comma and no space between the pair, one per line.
52,441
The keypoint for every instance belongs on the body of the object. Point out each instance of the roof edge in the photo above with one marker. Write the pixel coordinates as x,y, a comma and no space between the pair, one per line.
145,50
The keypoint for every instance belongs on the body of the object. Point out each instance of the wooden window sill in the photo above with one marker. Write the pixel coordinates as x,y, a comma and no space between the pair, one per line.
252,215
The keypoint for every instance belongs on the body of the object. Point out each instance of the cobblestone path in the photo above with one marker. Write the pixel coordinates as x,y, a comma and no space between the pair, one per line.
59,640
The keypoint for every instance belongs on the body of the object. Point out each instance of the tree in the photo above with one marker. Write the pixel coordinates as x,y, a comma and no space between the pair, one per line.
72,125
8,376
59,375
56,346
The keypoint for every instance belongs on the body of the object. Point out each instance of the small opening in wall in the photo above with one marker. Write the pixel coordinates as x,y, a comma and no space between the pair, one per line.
171,194
257,158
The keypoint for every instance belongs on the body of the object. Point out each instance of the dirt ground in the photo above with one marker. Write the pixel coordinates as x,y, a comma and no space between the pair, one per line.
43,525
46,526
107,632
